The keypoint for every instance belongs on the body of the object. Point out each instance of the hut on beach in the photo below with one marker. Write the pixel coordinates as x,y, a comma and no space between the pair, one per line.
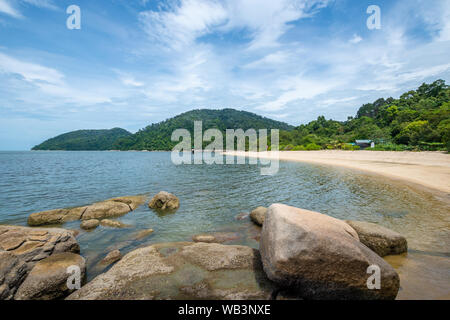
363,144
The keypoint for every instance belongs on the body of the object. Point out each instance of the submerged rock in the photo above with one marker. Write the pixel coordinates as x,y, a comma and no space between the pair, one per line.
242,216
164,201
380,239
21,248
207,238
111,257
113,224
89,224
257,215
48,279
143,234
320,257
182,270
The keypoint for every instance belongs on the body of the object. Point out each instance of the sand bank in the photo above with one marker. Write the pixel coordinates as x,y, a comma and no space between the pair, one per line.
429,169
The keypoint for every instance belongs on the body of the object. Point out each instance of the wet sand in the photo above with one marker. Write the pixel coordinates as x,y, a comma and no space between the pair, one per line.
428,169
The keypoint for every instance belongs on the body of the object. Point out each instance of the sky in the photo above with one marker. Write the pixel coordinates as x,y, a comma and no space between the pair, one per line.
137,62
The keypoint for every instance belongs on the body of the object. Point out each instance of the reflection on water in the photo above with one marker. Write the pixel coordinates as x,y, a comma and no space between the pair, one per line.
212,196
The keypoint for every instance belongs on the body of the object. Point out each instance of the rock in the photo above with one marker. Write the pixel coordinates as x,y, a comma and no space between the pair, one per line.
381,240
183,270
111,257
164,201
132,201
320,256
12,272
89,224
48,279
143,234
204,238
113,224
106,209
258,215
21,248
34,244
56,216
75,232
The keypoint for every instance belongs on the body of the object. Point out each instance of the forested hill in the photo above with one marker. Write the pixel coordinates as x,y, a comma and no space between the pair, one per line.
84,140
418,120
158,136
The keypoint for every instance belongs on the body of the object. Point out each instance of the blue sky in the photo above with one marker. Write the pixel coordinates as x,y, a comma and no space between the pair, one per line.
133,63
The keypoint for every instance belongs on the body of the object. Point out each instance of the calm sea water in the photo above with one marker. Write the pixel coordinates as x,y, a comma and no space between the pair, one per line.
211,197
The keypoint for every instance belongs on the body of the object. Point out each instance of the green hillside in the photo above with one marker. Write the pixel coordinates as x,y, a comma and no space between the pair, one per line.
418,120
158,136
84,140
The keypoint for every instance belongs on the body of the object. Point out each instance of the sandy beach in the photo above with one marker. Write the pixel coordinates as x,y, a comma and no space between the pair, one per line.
428,169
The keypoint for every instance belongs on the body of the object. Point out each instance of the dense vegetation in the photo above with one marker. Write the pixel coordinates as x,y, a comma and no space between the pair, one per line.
83,140
158,136
418,120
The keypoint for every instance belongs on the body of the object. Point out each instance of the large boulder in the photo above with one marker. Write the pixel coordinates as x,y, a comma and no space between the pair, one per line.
21,248
48,279
56,216
100,210
257,215
183,270
380,239
320,257
164,201
106,209
34,244
132,201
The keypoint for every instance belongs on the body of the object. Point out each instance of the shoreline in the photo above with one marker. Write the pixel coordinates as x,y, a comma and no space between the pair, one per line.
427,169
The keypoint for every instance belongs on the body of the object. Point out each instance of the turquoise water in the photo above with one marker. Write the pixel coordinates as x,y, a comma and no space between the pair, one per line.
211,197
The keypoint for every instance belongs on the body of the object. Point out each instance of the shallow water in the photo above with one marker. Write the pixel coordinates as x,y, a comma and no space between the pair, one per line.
213,195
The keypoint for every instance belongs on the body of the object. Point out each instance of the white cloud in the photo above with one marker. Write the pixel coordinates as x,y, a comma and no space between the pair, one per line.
268,20
269,61
29,71
7,8
178,26
48,4
355,39
296,89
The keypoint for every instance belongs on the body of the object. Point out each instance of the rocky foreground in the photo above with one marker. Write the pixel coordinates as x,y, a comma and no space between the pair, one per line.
303,254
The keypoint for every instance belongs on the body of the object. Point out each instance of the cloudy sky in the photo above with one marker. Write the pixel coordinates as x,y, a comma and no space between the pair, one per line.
135,62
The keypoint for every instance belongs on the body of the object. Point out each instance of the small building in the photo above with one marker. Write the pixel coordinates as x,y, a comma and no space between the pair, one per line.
363,144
